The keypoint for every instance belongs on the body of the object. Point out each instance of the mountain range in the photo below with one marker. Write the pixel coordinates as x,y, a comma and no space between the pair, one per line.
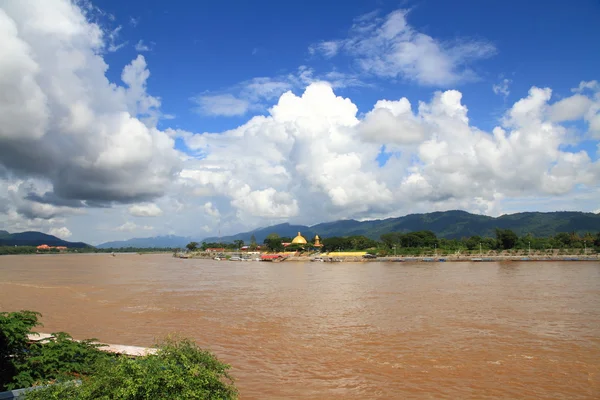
445,224
32,238
170,241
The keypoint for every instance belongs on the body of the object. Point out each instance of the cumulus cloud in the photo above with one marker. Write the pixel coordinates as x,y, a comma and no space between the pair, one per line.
571,108
65,123
145,210
62,232
587,85
389,47
257,94
318,159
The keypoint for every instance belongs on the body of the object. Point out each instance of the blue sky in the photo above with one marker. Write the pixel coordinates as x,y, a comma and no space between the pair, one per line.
209,46
149,118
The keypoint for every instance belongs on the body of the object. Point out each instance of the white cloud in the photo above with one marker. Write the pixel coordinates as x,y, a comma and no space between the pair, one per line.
571,108
318,160
257,94
113,44
134,21
130,227
389,47
63,232
145,210
64,122
502,88
327,48
140,46
211,210
587,85
221,104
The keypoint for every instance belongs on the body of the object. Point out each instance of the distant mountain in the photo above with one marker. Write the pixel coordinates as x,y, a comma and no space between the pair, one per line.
32,238
447,224
171,241
261,233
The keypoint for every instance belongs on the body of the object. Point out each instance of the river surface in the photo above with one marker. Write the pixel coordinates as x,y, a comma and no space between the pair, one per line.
338,330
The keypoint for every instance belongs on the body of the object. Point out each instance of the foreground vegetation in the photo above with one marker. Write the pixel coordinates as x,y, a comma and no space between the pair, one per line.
66,369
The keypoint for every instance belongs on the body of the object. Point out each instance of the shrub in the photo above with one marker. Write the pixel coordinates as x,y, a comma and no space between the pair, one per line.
24,363
179,370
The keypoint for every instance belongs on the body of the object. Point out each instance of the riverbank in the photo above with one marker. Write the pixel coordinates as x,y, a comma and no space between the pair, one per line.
453,258
362,257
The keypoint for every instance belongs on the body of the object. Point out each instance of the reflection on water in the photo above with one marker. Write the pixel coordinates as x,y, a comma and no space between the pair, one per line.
343,330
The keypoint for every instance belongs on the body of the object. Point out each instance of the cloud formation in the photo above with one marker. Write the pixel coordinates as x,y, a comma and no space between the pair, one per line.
64,122
313,159
502,88
145,210
389,47
257,94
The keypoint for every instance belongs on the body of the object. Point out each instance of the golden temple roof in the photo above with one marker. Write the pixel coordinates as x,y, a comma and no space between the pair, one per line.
299,239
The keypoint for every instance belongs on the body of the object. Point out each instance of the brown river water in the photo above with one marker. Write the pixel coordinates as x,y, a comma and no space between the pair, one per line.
338,330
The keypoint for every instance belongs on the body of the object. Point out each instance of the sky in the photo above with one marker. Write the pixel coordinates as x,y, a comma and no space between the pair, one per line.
136,119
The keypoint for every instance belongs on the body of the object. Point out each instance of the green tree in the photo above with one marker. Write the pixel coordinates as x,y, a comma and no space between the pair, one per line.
191,246
238,243
253,245
506,238
273,244
23,364
14,328
391,239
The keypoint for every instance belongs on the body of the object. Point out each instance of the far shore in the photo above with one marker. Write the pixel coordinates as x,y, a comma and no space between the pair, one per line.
360,257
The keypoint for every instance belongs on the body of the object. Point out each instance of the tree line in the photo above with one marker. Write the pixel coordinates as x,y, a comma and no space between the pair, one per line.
400,242
8,250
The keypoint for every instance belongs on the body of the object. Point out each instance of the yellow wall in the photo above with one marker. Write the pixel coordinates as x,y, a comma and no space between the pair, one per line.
346,253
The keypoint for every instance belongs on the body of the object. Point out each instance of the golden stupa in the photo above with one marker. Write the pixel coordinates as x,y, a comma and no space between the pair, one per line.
317,241
299,239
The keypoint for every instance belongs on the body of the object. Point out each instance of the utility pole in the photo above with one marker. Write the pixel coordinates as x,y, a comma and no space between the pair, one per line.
584,247
529,244
435,249
480,249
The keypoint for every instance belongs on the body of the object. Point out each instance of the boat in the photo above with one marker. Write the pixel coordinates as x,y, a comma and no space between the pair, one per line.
317,259
235,258
217,259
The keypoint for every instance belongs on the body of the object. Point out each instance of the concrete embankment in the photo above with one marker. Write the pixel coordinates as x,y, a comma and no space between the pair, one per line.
111,348
346,258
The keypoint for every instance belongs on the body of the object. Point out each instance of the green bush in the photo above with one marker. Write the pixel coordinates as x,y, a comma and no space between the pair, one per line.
67,369
24,363
179,370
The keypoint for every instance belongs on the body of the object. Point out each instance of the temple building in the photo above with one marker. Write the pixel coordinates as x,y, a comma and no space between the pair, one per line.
299,239
317,241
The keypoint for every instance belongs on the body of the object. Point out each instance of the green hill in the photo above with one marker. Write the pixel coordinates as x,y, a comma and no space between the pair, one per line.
445,224
32,238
